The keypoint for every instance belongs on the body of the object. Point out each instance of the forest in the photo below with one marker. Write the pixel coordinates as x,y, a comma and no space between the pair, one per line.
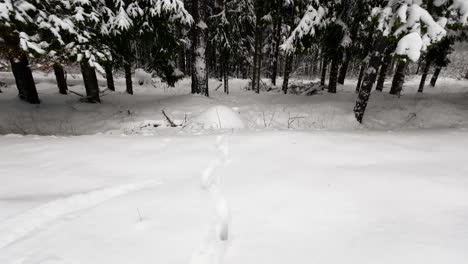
221,39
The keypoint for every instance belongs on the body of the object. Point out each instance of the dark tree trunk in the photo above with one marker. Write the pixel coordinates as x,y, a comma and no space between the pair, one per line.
427,66
399,78
24,80
60,77
287,72
333,76
257,59
361,75
226,82
419,66
384,69
225,69
254,67
90,82
181,60
128,77
198,48
435,76
324,71
344,68
109,76
277,41
368,81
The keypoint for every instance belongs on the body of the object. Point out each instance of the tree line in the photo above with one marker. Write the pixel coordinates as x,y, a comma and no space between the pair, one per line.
222,38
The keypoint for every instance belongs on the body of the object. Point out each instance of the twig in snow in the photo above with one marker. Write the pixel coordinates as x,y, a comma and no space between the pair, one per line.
76,93
219,86
172,124
294,118
139,215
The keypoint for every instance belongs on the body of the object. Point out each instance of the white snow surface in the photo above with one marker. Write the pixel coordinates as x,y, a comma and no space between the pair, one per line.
219,117
301,182
293,196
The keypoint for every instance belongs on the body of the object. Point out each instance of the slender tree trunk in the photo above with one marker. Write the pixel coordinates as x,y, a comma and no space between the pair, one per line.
199,48
259,66
368,81
193,49
419,66
255,62
324,71
226,82
435,76
257,59
361,75
287,72
427,66
384,69
399,78
181,58
60,78
109,76
24,80
277,41
344,68
225,69
90,82
128,77
333,76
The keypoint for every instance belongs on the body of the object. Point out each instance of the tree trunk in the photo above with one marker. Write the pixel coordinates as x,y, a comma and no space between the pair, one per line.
361,75
324,71
287,72
60,78
419,66
277,41
199,45
368,81
90,82
384,70
344,68
427,66
226,82
333,76
257,59
24,80
435,76
128,77
109,76
399,78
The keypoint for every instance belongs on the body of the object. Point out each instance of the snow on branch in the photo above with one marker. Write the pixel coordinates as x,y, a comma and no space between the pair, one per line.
423,31
311,19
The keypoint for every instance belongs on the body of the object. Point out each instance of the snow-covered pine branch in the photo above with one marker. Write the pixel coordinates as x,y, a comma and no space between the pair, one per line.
312,19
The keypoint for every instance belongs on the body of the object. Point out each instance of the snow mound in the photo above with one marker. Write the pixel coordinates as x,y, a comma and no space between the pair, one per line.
143,77
219,117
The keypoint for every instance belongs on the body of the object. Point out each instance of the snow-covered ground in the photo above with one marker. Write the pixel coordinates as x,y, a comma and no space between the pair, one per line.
444,106
300,183
325,197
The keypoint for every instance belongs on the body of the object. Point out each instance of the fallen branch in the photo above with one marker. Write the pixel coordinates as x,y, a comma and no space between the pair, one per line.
76,93
168,119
